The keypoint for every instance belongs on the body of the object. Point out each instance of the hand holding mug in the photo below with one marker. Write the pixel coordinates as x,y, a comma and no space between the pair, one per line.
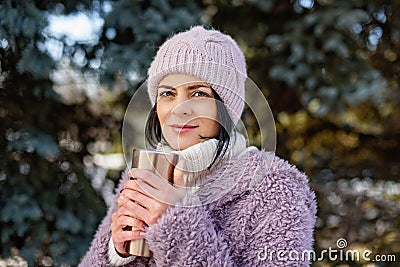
144,198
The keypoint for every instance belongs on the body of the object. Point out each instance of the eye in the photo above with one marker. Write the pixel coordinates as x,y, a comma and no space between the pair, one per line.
200,94
165,94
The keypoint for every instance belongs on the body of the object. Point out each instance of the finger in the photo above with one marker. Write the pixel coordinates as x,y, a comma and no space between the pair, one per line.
123,236
143,187
149,190
139,197
169,195
135,223
121,200
134,185
120,240
135,210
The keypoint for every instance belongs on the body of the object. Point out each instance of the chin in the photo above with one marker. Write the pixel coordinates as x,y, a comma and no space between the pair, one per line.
182,141
181,145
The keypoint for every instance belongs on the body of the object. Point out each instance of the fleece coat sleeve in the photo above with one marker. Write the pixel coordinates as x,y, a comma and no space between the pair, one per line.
268,226
187,236
97,255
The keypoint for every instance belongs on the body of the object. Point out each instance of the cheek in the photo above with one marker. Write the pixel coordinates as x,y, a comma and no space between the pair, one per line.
213,113
162,113
210,124
209,128
214,128
205,109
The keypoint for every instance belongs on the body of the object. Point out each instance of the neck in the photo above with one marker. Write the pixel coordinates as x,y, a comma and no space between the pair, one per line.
198,158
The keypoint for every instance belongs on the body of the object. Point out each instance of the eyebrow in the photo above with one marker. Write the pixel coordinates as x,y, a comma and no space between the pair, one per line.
190,87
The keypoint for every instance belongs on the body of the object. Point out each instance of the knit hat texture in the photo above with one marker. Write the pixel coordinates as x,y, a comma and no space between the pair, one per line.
210,55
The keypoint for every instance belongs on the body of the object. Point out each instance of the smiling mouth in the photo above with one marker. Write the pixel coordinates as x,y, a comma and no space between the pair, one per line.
183,128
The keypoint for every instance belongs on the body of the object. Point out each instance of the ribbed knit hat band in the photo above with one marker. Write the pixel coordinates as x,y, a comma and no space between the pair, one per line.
209,55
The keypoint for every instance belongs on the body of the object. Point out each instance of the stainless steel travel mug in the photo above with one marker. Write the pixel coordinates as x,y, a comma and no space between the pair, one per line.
162,164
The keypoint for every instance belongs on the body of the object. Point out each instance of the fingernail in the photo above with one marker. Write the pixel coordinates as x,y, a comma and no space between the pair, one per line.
142,233
121,197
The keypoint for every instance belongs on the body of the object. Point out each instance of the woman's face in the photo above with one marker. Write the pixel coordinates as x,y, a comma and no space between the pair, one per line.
187,110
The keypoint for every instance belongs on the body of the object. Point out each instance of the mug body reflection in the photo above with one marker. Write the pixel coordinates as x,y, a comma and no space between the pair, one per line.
163,165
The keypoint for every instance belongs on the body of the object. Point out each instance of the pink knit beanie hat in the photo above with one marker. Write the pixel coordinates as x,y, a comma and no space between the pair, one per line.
209,55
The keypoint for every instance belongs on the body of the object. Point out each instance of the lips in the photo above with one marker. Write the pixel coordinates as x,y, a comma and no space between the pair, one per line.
183,128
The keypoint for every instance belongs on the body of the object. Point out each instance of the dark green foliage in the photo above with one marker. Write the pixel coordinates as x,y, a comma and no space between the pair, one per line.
32,202
131,34
49,210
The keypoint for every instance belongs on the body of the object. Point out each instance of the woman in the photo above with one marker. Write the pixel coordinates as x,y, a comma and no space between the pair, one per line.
196,83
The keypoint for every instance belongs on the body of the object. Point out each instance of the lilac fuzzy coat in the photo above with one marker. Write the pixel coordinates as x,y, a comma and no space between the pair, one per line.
269,225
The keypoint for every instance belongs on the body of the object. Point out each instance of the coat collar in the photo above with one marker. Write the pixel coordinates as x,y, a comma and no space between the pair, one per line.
236,177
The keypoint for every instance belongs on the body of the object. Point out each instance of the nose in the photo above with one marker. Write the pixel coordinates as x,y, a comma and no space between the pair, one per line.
182,106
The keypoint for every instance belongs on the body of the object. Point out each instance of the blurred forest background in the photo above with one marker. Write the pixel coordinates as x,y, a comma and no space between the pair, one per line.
329,69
